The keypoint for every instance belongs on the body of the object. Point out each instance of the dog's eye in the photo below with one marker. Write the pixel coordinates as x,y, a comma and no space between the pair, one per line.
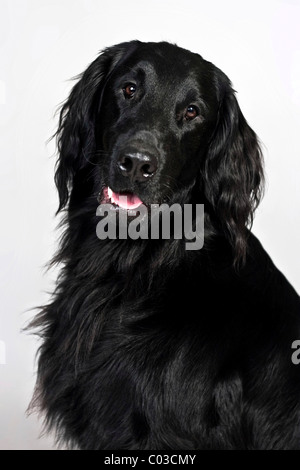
191,112
129,90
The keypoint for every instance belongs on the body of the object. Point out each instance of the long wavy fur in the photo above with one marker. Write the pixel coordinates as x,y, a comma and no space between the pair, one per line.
96,276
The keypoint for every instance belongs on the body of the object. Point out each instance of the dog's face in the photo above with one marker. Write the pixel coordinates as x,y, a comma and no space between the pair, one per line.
158,110
158,123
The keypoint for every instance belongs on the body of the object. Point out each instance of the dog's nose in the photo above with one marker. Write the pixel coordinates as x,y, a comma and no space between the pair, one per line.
137,166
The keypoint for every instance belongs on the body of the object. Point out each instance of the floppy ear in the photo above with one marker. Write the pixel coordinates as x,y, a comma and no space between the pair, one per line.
76,129
233,173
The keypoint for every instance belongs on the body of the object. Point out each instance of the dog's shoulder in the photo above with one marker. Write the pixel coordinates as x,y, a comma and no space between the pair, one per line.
255,297
262,276
258,274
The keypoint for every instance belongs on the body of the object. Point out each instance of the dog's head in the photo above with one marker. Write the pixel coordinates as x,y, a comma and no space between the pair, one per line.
152,121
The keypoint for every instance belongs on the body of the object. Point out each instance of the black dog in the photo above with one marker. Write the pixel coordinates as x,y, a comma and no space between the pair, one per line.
148,345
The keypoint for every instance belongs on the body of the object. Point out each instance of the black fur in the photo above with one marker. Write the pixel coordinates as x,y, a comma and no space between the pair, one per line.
147,345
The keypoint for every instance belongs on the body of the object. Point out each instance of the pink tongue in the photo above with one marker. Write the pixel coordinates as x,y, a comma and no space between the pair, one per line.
125,200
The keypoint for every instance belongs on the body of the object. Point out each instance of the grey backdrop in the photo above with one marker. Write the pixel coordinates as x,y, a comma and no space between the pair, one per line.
44,43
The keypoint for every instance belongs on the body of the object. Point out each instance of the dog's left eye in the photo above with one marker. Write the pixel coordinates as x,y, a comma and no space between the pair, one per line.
191,112
129,90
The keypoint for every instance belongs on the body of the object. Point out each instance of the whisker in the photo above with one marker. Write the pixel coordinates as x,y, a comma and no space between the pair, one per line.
93,154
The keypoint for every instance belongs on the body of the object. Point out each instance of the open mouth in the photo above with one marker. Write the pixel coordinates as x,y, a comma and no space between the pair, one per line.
124,200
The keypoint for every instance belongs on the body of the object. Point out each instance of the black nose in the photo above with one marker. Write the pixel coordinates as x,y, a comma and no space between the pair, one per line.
138,166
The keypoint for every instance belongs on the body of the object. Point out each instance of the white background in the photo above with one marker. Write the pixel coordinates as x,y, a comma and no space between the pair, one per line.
43,43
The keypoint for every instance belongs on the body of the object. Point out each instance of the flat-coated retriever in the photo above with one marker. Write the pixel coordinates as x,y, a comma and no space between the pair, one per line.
148,344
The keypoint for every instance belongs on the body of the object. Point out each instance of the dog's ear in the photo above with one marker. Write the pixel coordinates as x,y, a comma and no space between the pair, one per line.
233,171
76,129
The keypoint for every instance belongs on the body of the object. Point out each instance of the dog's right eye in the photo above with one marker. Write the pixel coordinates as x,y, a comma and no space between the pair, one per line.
129,90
